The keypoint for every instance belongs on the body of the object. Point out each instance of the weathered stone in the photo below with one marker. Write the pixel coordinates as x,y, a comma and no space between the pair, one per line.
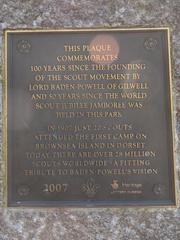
92,224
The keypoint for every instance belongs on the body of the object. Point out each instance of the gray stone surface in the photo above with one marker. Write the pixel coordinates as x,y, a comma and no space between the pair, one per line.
92,224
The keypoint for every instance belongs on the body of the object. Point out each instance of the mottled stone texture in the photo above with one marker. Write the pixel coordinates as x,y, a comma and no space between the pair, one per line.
87,224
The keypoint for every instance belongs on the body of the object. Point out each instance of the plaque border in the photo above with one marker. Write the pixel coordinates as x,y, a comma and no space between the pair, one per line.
172,118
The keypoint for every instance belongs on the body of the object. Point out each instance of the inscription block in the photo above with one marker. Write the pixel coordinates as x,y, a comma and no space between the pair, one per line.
88,118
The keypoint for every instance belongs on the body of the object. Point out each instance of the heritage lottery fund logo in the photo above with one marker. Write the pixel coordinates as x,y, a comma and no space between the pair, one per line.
120,187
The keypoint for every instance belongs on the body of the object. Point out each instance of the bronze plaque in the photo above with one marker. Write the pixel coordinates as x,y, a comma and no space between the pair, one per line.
89,119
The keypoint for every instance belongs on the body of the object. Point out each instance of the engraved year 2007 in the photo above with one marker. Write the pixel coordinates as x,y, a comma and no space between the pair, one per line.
52,188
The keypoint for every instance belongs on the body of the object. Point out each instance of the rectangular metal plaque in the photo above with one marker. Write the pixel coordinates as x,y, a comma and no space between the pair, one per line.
88,118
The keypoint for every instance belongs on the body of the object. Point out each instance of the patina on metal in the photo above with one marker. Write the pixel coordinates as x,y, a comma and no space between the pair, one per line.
88,118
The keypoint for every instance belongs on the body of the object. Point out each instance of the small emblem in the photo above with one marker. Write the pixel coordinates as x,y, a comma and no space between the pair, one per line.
23,46
115,184
150,43
90,188
159,189
23,190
